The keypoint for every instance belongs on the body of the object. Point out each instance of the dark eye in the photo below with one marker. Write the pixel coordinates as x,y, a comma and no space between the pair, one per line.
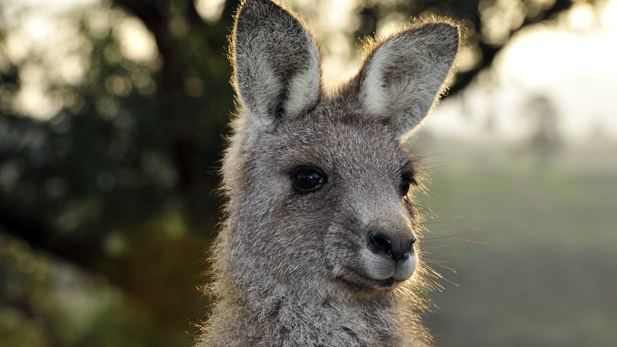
406,182
307,179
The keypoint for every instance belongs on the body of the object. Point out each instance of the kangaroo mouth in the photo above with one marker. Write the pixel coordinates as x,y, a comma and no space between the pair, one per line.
361,283
388,283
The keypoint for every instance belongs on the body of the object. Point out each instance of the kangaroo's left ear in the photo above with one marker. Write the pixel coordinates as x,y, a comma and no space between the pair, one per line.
403,76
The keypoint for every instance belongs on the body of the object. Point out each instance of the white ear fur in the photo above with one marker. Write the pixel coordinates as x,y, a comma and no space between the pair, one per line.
403,76
276,63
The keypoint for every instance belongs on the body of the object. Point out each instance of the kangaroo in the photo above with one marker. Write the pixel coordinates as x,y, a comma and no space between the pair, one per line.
321,241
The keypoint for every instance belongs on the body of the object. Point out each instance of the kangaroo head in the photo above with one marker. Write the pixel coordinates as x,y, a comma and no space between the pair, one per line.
318,184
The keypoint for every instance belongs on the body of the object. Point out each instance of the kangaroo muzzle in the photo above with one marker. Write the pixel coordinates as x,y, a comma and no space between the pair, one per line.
389,252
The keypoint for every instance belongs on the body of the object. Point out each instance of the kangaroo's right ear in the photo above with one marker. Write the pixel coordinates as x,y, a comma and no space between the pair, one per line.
276,63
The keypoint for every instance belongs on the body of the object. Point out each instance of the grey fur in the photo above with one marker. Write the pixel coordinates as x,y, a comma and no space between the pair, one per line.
301,269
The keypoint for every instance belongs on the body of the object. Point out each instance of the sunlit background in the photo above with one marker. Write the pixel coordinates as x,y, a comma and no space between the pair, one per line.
112,123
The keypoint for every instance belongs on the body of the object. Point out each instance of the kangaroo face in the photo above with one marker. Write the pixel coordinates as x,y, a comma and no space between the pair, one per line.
319,184
367,224
336,185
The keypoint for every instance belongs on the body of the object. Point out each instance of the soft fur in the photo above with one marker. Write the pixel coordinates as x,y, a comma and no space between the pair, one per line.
296,269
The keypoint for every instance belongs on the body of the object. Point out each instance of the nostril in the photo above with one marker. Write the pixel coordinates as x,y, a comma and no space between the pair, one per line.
411,242
382,242
402,257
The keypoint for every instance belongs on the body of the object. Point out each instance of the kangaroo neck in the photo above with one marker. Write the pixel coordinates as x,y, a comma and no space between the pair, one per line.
289,319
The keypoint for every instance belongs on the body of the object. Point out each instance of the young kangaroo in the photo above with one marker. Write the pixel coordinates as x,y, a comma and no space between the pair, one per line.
320,244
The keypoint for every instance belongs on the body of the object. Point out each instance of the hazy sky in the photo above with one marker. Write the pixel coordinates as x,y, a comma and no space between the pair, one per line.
572,62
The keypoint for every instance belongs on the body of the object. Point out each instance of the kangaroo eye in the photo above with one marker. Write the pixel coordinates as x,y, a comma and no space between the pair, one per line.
406,182
307,179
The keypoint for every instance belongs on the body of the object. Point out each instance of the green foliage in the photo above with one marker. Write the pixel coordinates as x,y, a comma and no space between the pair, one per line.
118,183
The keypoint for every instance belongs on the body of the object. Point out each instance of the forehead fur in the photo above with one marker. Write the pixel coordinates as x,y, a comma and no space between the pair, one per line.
338,135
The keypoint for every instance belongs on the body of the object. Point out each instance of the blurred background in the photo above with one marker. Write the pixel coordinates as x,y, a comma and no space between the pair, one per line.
113,116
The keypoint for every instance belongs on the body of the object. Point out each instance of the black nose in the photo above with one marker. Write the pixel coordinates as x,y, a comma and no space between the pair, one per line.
381,243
